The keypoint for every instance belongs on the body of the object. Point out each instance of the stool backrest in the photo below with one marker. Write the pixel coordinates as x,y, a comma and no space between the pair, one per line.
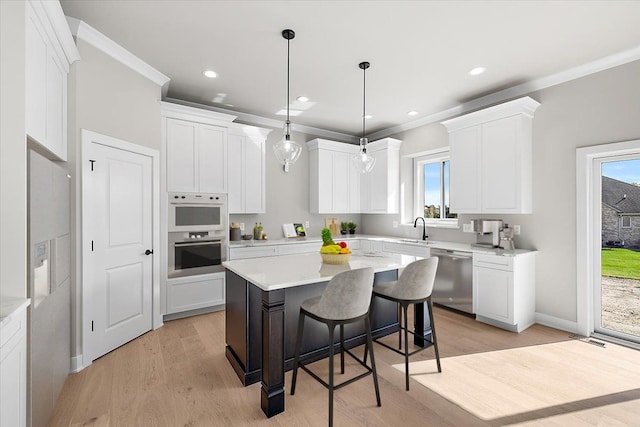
348,294
416,280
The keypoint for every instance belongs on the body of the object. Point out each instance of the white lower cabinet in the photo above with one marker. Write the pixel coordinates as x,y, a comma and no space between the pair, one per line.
191,293
400,248
262,250
13,371
504,290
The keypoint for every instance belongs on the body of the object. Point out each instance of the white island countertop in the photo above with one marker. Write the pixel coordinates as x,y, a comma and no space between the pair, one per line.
279,272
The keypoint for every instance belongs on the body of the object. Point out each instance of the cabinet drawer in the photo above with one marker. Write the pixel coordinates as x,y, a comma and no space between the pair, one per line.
185,294
299,248
252,252
493,261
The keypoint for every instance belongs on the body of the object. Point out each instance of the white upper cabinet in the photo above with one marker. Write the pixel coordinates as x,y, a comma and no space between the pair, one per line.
380,188
334,184
195,143
491,159
246,169
49,51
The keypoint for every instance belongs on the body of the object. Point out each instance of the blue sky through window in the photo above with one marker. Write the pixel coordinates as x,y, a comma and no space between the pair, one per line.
623,170
432,184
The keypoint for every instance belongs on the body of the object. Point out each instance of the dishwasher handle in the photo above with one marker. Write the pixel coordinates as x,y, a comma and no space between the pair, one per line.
451,254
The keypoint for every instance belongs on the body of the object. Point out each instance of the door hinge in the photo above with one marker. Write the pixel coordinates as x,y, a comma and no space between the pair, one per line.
92,246
92,326
92,162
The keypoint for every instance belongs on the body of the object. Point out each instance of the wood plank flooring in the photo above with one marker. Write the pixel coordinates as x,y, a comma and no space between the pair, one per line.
178,376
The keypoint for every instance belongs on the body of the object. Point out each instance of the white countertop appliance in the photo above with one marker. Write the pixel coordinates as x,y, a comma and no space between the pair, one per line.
486,227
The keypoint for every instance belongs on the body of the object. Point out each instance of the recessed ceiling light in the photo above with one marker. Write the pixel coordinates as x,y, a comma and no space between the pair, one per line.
412,113
477,70
368,116
210,73
302,99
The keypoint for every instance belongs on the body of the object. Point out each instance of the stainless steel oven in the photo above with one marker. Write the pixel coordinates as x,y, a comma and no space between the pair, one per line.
197,212
196,252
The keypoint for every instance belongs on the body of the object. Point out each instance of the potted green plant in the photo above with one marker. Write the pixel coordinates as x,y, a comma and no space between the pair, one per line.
343,227
352,227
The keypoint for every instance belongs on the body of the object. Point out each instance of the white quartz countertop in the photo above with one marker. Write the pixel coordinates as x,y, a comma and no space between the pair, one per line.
272,273
451,246
10,306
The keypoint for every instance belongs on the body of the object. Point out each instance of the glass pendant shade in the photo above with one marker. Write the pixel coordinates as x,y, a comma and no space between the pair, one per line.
287,150
362,161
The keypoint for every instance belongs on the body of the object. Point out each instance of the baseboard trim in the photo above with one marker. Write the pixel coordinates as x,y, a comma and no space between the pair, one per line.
557,323
76,364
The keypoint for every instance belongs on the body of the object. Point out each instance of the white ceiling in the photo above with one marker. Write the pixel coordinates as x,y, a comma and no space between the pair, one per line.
420,51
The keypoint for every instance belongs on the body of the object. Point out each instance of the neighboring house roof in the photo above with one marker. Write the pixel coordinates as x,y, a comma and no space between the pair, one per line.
613,192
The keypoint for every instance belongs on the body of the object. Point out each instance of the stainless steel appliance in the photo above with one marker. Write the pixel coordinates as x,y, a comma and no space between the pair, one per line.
197,212
453,286
486,227
196,252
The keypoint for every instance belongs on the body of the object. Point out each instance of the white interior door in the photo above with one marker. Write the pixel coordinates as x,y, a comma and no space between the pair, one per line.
117,200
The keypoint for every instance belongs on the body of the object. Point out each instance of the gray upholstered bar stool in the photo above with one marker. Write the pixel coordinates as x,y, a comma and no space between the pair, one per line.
414,286
346,299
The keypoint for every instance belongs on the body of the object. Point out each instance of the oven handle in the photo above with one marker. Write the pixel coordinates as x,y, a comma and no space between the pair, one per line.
199,243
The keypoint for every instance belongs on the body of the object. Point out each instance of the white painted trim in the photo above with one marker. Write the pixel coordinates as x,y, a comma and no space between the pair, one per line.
596,66
184,112
84,31
76,364
88,137
556,323
586,233
52,17
525,105
263,121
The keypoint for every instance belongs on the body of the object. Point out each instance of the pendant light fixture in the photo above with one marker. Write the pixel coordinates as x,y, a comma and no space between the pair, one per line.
286,150
363,162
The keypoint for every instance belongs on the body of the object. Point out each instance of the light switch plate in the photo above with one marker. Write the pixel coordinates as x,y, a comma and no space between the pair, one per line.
395,224
467,228
516,230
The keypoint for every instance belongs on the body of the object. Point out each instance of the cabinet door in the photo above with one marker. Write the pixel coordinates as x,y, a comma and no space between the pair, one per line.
340,182
501,166
354,187
378,190
56,106
191,294
235,172
13,373
212,159
35,77
493,293
254,175
181,155
465,184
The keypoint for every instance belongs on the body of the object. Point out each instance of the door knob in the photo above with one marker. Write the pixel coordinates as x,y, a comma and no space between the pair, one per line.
148,252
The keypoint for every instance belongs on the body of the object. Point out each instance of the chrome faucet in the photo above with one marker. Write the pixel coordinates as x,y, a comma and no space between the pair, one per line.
424,227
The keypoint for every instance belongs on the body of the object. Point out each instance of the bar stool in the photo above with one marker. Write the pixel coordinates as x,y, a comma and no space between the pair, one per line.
414,286
346,299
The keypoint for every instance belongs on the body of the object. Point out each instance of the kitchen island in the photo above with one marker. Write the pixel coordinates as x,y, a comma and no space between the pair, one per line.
263,297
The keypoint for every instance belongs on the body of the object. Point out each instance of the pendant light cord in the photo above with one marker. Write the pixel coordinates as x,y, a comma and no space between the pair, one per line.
364,97
288,47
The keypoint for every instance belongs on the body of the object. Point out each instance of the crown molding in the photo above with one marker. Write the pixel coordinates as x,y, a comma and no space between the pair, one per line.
84,31
52,17
602,64
263,121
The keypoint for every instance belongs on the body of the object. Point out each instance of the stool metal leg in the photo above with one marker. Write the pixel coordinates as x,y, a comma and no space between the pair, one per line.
341,348
400,325
296,359
332,327
373,360
433,334
406,346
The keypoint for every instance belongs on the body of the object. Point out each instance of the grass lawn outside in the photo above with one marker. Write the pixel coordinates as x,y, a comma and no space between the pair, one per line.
619,262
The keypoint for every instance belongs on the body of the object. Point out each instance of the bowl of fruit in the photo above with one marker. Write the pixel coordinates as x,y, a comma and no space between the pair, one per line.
332,252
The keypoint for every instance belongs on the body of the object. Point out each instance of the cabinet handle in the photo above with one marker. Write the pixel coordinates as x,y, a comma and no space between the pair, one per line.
148,252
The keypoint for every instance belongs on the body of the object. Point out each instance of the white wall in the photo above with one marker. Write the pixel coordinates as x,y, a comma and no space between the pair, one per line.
107,97
597,109
13,152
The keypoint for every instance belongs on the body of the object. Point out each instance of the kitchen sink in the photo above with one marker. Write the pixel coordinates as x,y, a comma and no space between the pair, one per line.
422,242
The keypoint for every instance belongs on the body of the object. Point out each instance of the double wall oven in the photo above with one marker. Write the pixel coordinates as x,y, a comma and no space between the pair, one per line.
197,234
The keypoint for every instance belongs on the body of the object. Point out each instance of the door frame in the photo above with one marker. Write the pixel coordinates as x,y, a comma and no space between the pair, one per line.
588,225
89,137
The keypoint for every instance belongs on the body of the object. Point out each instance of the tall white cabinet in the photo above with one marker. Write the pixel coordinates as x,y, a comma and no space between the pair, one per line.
246,169
50,51
491,159
13,362
334,184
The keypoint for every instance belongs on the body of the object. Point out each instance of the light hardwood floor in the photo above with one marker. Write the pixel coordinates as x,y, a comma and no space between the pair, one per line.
178,376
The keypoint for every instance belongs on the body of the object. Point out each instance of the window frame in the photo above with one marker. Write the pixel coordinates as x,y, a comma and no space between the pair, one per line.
622,218
440,157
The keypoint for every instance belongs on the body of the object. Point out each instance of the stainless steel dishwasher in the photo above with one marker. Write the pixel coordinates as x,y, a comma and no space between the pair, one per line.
453,287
